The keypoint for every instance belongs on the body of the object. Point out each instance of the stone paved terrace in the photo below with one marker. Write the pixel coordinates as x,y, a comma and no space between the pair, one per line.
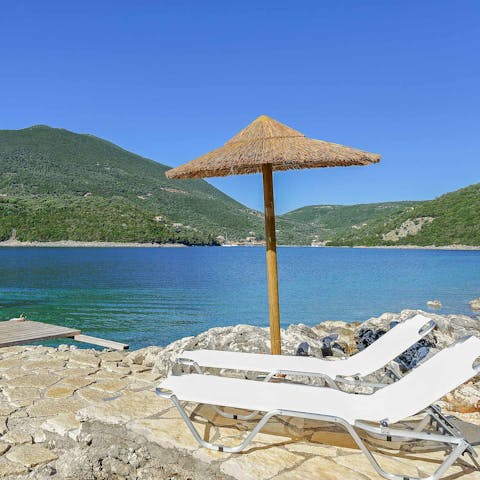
83,414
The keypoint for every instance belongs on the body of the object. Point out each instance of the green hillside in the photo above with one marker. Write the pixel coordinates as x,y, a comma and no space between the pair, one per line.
59,185
453,218
325,222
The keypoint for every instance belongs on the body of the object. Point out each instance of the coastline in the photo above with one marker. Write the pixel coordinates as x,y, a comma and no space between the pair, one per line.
391,247
383,247
96,244
419,247
76,244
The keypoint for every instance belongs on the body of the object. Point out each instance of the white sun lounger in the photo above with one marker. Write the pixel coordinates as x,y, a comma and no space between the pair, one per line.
375,413
389,346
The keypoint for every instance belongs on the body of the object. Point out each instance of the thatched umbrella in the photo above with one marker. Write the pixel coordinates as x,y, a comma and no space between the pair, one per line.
265,146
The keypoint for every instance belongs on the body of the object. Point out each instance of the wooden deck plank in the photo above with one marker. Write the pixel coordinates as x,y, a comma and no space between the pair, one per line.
101,342
28,331
17,333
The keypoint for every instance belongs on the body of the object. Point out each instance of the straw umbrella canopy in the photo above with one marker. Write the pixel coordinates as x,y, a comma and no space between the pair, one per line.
265,146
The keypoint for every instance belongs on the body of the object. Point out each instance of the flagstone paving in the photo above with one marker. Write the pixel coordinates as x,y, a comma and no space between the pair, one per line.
70,414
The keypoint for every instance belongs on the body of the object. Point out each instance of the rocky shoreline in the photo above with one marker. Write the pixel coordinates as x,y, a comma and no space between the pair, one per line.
81,244
76,244
71,413
419,247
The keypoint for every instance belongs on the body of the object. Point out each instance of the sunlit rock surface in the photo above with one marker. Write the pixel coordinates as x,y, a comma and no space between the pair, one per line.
84,414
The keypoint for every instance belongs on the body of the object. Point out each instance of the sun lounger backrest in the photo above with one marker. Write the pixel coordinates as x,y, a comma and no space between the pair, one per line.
430,381
374,357
391,344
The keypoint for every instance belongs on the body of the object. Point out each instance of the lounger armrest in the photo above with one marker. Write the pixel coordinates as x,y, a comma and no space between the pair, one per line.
164,392
427,328
190,363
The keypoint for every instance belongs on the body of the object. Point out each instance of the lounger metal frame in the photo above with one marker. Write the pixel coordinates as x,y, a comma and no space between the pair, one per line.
450,437
331,382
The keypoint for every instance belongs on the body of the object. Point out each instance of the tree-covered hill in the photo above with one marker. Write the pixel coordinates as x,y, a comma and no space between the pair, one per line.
59,185
453,218
325,222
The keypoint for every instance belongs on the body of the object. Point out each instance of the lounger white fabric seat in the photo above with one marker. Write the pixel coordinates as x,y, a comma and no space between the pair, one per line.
389,346
412,394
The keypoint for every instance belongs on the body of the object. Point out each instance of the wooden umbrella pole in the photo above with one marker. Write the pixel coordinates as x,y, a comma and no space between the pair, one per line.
272,273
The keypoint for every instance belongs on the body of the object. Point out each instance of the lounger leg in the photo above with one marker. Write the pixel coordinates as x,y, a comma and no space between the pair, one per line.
459,447
443,424
459,444
435,417
212,446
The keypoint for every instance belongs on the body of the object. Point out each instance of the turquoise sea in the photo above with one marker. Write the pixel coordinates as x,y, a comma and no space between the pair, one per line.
152,296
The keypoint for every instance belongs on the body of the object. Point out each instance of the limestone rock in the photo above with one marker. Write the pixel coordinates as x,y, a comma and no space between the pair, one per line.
3,425
112,356
21,396
61,424
324,468
31,455
434,304
248,338
16,437
5,410
39,436
40,380
145,356
475,304
92,395
85,357
128,406
82,468
99,413
261,464
359,463
11,362
48,362
77,370
109,385
243,338
240,338
53,406
168,433
11,469
465,399
60,391
121,369
408,227
77,381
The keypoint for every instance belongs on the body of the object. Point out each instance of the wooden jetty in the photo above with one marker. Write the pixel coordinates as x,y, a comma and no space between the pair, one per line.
20,331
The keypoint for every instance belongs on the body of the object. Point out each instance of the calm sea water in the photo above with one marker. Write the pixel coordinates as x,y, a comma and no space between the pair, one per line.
154,296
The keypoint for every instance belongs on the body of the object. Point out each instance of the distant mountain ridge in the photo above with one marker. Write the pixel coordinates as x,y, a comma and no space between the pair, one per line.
59,185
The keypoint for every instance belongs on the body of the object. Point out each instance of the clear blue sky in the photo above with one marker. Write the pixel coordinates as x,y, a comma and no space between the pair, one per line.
171,80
